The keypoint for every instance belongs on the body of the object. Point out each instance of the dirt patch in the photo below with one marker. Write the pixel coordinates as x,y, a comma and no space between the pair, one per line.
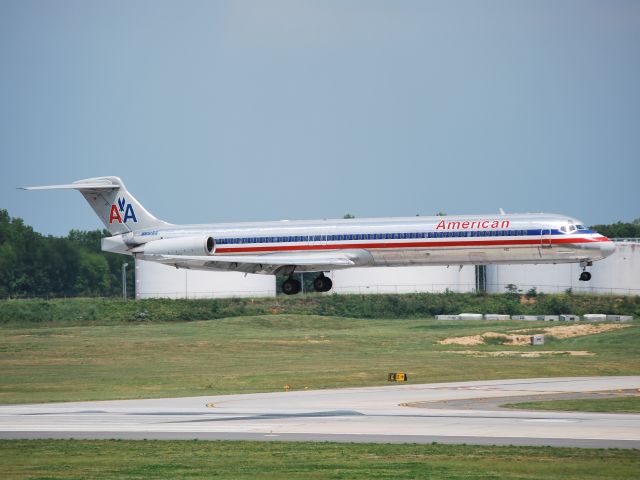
522,336
512,353
302,341
569,331
468,341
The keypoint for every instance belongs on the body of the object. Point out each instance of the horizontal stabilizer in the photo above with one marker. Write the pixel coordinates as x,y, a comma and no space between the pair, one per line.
80,185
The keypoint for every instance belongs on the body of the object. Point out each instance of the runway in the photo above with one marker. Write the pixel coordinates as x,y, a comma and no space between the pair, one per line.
386,414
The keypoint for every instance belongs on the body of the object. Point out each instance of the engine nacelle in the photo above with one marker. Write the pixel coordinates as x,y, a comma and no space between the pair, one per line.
196,245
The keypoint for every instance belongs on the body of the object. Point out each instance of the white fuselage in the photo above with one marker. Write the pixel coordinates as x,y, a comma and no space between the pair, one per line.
442,240
285,247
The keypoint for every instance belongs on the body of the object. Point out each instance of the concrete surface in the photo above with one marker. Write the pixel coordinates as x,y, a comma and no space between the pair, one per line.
375,414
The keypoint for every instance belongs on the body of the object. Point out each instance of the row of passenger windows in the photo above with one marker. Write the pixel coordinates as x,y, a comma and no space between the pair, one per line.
377,236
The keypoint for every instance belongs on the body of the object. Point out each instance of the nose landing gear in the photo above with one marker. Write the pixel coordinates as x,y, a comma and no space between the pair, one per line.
585,276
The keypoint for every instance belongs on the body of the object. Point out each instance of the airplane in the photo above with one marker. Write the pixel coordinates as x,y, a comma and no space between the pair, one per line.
284,247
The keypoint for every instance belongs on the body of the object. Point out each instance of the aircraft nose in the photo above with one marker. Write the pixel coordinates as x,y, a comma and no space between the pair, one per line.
607,247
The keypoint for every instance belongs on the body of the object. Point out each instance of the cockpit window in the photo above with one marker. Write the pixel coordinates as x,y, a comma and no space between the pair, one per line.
563,229
580,227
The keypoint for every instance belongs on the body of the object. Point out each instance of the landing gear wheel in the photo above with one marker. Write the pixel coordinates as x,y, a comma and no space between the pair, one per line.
585,276
322,283
291,286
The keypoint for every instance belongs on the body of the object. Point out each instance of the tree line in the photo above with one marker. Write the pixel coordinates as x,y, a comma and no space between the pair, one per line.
620,229
32,264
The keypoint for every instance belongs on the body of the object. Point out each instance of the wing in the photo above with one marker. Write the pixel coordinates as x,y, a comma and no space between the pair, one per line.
270,263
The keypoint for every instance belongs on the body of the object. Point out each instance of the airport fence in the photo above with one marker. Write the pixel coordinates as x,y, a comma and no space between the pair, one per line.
382,289
472,288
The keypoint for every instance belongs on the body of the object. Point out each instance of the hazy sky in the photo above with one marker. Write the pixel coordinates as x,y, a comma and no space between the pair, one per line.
263,110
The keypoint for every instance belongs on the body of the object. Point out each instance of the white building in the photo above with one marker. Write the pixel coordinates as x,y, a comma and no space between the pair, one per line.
404,279
157,280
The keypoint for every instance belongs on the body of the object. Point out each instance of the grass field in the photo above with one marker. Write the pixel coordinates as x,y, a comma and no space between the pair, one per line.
612,405
71,459
262,353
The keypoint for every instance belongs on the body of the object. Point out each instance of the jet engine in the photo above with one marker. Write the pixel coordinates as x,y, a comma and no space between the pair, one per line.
196,245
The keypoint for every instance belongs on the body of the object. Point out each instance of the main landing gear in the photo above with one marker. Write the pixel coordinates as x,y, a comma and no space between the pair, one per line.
322,283
585,276
291,286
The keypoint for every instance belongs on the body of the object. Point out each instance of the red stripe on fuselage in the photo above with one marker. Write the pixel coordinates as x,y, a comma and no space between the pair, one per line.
432,244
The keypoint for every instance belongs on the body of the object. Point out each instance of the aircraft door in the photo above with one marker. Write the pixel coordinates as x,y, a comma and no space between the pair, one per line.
545,237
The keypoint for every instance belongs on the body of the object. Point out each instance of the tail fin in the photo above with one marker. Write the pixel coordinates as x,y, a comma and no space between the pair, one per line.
117,208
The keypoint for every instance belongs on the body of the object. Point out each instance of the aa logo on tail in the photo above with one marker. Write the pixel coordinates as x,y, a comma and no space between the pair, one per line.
122,212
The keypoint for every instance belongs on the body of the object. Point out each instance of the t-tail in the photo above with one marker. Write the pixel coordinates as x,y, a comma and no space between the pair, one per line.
117,208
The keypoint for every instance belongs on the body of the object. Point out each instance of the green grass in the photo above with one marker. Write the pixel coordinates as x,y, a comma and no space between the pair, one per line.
611,405
72,459
262,353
